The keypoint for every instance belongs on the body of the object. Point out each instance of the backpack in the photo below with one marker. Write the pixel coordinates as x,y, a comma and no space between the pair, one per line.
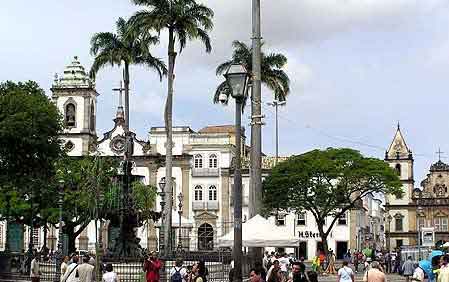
176,277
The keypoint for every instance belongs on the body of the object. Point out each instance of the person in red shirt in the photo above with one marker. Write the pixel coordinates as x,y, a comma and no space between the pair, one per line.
152,266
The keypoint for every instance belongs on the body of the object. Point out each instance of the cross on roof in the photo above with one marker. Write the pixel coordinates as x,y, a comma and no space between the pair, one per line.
120,90
439,154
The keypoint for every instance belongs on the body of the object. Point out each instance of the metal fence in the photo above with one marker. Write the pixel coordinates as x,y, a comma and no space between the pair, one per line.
218,264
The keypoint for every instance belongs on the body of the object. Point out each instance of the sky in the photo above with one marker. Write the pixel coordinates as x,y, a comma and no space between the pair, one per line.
357,68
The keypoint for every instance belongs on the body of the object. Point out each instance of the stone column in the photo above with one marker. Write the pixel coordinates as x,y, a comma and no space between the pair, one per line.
353,230
151,229
185,191
224,201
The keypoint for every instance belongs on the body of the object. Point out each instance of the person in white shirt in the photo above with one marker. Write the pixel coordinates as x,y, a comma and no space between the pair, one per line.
70,274
110,275
64,266
178,273
284,263
345,274
35,272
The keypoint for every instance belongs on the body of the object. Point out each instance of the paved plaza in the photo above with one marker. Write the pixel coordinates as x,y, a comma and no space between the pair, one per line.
359,277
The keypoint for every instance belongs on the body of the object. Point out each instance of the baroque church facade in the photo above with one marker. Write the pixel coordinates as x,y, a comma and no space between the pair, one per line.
420,209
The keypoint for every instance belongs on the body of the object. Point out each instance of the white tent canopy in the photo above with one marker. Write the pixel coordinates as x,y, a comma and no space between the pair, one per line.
259,232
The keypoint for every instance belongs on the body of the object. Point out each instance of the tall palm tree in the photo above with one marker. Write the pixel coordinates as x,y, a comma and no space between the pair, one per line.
125,48
272,74
184,20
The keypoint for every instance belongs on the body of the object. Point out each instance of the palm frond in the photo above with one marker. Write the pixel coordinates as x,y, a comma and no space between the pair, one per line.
153,63
103,40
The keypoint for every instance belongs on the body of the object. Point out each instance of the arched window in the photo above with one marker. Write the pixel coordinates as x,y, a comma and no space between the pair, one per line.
212,193
198,193
213,161
205,237
398,169
70,115
198,161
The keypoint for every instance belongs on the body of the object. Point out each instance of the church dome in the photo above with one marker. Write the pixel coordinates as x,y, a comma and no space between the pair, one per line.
439,166
74,76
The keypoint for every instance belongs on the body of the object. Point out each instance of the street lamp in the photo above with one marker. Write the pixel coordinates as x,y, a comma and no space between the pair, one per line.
419,211
389,218
237,78
60,253
180,198
162,184
276,104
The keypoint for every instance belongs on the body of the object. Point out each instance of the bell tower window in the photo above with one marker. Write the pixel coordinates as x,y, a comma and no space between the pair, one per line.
398,169
70,115
92,117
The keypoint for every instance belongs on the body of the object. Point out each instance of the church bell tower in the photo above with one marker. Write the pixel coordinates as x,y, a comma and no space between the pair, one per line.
76,98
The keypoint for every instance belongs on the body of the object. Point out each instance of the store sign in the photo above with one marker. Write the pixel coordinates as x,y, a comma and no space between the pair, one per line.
428,236
308,234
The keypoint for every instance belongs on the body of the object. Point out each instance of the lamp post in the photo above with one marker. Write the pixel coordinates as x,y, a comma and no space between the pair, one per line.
389,218
237,78
60,252
180,198
276,104
162,184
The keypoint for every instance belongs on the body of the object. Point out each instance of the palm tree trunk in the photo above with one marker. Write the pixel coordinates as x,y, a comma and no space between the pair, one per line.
169,143
126,81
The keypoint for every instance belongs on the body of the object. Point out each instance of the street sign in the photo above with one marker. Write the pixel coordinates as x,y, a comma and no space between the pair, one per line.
428,236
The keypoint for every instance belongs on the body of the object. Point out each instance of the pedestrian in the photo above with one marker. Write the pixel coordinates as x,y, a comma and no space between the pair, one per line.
266,258
35,272
355,261
231,272
178,273
273,274
258,266
64,266
152,266
345,273
71,274
331,260
408,268
374,274
316,263
367,264
85,270
284,263
418,274
255,275
199,272
443,275
298,273
110,275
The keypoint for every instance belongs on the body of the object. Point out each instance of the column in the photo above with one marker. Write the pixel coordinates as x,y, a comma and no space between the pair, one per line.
151,230
224,201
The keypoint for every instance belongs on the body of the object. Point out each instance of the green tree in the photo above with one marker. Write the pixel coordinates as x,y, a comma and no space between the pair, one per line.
86,181
127,48
184,20
328,183
29,146
273,75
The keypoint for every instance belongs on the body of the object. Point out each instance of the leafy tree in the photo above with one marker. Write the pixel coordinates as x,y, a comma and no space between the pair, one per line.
86,181
273,75
29,146
127,48
327,183
184,20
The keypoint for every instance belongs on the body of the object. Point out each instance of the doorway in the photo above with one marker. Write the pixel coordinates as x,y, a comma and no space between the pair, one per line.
342,249
301,251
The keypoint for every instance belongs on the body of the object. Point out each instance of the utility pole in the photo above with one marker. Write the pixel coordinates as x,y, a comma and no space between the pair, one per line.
276,104
256,116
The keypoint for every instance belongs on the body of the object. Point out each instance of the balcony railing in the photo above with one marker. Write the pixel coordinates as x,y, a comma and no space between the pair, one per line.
205,172
208,206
